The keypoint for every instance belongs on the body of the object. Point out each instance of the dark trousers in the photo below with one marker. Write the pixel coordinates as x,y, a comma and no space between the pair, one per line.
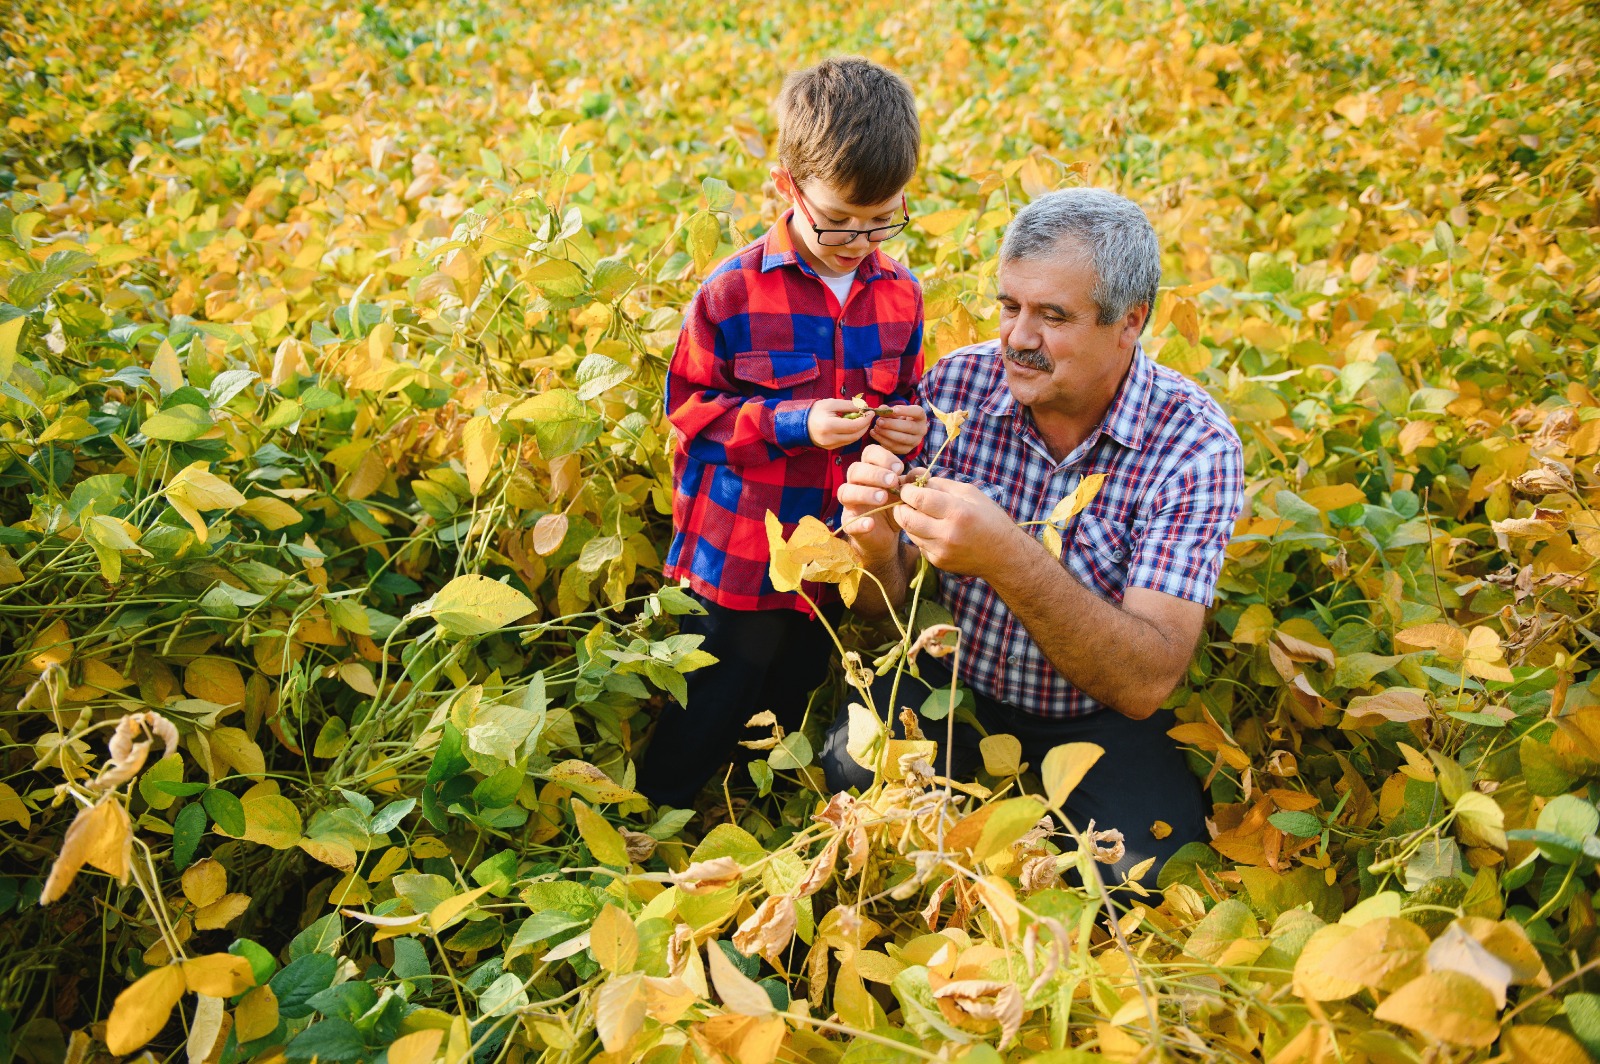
766,659
1141,778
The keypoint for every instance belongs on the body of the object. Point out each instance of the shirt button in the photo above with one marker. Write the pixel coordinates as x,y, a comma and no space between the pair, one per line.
1012,659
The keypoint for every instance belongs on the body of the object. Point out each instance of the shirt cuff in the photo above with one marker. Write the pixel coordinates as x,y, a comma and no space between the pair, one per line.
789,425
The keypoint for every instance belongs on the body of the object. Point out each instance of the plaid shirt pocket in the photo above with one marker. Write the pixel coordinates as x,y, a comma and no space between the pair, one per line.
1100,552
776,371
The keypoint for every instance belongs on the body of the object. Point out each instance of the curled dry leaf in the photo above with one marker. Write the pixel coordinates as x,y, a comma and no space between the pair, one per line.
987,1001
639,845
129,750
939,640
706,877
1108,847
769,929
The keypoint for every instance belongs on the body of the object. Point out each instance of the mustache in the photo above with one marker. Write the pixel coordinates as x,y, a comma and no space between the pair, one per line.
1032,358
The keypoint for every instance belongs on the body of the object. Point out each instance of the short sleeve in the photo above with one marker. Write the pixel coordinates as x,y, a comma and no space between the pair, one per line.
1181,550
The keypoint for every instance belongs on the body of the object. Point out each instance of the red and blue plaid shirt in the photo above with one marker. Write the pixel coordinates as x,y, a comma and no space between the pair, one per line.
762,340
1174,487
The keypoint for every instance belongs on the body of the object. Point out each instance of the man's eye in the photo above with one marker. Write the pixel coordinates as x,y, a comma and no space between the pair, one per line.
1051,319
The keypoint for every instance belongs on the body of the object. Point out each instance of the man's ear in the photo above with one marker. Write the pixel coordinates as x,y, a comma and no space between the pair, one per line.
1133,324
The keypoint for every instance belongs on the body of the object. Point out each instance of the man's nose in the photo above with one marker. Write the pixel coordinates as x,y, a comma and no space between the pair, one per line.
1024,334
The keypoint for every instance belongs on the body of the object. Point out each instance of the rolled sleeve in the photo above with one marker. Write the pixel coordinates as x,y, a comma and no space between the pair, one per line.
1182,549
791,426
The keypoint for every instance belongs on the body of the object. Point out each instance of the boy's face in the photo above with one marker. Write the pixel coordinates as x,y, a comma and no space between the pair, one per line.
831,210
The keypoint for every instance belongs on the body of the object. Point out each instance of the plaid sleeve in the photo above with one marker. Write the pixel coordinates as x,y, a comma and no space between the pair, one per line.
718,422
913,389
1181,550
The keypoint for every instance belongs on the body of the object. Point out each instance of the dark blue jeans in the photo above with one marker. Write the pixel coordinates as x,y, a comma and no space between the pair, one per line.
766,659
1141,778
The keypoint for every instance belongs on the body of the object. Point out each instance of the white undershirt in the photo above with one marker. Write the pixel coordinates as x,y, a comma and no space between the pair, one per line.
840,285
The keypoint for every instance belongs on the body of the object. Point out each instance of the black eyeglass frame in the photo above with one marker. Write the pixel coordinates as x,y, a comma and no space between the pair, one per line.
889,231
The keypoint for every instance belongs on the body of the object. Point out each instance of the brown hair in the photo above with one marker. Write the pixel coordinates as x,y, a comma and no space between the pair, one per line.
851,123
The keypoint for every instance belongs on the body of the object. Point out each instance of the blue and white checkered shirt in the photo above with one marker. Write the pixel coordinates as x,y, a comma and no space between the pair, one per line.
1174,487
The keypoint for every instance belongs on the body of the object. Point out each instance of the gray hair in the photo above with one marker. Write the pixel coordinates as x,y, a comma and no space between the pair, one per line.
1110,230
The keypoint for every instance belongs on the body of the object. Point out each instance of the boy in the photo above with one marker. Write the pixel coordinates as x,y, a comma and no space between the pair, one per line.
775,346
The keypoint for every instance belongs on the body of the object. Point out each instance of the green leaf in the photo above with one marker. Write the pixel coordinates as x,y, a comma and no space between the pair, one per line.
792,752
598,374
335,1040
1224,925
1298,823
226,809
187,831
300,981
179,424
561,422
1569,816
1267,274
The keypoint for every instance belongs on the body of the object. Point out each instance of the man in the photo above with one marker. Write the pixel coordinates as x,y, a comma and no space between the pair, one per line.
1085,647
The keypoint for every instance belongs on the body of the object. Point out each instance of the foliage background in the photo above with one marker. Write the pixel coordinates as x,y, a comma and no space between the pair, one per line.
310,311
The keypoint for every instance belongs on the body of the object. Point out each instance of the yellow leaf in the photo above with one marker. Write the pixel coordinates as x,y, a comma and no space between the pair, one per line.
142,1009
271,513
939,223
480,448
1528,1044
418,1047
1067,509
614,940
204,882
619,1011
1314,976
1254,627
238,750
1445,638
589,781
1160,829
1064,768
270,819
739,993
215,680
448,911
205,1027
219,975
1483,657
13,809
195,489
222,912
1002,754
101,836
256,1016
603,840
1445,1006
165,369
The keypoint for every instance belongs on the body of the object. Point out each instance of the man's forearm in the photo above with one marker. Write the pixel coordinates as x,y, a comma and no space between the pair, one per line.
1106,652
892,574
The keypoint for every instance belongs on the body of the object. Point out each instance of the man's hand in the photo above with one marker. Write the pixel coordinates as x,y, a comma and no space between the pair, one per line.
958,528
830,429
900,428
871,484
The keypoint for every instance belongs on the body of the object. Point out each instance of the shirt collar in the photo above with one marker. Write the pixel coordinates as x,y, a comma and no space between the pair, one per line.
779,250
1123,422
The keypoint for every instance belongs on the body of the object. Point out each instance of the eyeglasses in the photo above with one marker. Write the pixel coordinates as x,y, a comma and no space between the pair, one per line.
833,238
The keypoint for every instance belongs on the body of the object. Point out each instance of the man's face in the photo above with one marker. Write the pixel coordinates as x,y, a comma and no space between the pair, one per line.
1057,358
830,210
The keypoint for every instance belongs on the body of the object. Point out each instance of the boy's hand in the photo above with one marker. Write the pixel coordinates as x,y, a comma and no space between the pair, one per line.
900,428
831,429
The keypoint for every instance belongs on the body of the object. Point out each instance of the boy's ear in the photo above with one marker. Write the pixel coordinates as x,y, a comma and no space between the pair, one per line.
782,182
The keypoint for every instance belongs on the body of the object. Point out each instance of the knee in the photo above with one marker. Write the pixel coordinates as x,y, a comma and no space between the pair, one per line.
840,769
